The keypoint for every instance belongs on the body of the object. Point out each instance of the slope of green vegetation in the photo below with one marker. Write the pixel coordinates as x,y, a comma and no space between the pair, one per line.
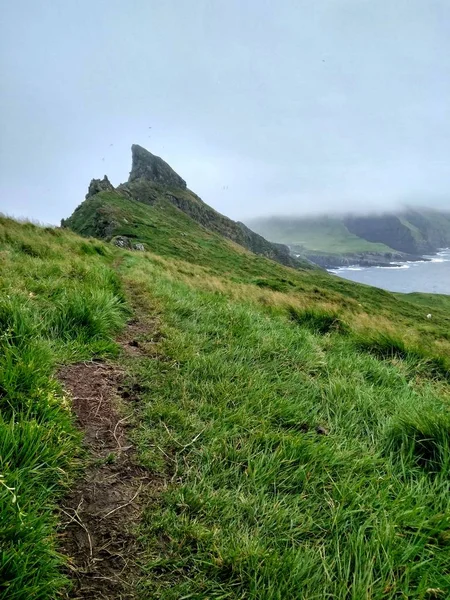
59,302
412,231
300,421
166,230
307,460
315,234
170,233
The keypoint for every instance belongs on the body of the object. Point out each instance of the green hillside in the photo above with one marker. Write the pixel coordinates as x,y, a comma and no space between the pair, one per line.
154,183
412,231
165,229
291,429
325,234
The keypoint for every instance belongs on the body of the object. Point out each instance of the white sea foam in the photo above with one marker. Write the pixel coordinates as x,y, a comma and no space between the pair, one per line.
394,266
337,270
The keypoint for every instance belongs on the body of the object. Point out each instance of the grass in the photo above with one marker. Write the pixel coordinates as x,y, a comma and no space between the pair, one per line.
197,233
319,321
301,421
60,301
262,506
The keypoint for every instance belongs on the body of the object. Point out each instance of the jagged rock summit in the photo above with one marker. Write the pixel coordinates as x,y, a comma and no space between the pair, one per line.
99,185
154,209
146,165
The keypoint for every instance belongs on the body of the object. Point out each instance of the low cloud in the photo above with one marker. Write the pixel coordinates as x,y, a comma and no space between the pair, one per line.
298,108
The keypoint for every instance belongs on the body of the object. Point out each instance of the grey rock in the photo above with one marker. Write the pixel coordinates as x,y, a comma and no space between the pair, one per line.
122,241
139,246
146,165
362,259
99,185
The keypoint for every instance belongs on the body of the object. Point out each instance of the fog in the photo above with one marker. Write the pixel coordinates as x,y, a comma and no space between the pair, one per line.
289,107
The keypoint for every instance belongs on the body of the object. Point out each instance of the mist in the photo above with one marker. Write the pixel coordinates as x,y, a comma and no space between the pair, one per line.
294,107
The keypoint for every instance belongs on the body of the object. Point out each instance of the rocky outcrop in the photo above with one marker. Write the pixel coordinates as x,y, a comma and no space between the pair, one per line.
362,259
99,185
122,241
146,165
153,182
259,245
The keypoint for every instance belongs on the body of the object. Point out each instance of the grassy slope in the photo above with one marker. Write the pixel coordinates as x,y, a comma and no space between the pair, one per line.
60,301
330,235
263,507
255,357
176,213
168,231
172,235
322,235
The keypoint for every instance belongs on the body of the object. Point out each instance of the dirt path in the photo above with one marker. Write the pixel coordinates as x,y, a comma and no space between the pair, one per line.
100,514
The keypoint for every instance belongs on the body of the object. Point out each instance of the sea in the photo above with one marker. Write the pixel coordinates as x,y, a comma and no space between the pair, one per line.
431,276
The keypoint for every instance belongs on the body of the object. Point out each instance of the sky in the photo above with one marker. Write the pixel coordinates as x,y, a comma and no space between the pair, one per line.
263,107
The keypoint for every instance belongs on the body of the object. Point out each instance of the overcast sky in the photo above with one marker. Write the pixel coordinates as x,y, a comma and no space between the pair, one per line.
263,107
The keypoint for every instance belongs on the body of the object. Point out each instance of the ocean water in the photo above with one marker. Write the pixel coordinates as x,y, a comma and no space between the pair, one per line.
431,277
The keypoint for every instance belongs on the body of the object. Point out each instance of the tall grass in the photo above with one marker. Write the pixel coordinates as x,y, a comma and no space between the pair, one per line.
318,320
294,473
302,463
55,306
421,439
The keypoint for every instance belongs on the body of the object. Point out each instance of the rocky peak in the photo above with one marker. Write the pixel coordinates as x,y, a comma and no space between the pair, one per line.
146,165
99,185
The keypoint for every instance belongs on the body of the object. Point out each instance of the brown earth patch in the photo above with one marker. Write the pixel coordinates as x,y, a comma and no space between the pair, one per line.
100,513
140,338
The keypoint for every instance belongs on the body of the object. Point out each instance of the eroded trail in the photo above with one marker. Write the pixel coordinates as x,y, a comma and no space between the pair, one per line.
100,515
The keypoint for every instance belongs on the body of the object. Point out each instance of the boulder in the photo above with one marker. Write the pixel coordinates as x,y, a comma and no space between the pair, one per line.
122,241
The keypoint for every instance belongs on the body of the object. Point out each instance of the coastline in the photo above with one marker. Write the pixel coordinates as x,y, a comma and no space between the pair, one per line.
363,259
430,275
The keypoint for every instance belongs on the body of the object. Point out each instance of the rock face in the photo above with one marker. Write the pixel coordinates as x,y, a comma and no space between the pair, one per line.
154,183
146,165
99,185
392,230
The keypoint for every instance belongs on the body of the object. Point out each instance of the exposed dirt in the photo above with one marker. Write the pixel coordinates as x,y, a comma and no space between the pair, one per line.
99,514
140,338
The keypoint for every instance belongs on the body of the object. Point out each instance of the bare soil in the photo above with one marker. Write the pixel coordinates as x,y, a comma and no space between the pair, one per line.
99,516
